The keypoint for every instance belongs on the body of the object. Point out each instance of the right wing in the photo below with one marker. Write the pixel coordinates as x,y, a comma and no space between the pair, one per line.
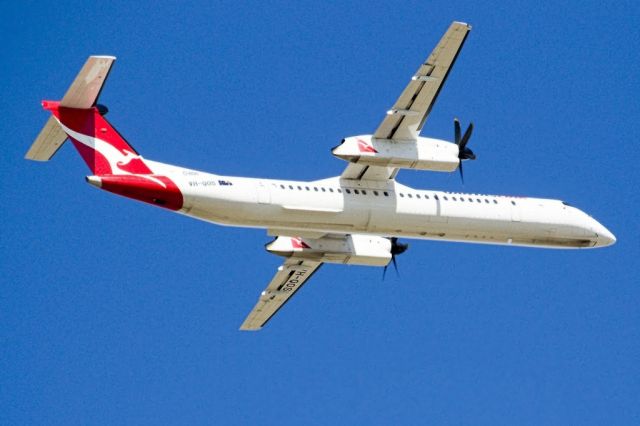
289,278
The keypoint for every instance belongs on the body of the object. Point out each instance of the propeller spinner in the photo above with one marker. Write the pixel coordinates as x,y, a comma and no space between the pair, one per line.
396,248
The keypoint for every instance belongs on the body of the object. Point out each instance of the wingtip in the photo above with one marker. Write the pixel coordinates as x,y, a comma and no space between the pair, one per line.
462,23
113,58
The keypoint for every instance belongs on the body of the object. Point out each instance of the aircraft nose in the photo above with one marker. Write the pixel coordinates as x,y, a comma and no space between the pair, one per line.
605,237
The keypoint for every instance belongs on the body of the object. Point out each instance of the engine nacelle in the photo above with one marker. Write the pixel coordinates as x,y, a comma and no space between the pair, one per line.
423,154
347,249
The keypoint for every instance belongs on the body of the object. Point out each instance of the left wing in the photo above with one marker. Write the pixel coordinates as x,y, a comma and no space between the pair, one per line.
290,277
404,121
367,172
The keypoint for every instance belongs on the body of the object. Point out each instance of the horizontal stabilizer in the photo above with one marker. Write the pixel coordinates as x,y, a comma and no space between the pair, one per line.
82,94
48,142
85,89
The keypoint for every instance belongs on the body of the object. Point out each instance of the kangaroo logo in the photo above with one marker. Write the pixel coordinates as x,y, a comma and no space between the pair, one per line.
297,243
122,162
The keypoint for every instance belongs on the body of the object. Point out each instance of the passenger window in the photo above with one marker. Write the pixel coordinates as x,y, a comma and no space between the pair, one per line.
315,188
418,196
445,197
454,198
375,193
426,197
282,186
478,200
409,195
290,186
513,202
330,189
436,197
462,199
386,194
339,191
401,195
495,201
323,190
471,200
356,191
486,201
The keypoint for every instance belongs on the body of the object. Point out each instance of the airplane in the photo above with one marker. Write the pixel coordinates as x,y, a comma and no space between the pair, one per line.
356,218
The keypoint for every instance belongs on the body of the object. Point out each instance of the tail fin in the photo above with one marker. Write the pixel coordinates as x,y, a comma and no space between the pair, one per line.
78,117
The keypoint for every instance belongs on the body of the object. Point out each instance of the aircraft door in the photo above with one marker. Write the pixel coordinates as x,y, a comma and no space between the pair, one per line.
264,193
515,212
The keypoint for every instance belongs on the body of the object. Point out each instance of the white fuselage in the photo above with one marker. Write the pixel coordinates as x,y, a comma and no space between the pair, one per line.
384,209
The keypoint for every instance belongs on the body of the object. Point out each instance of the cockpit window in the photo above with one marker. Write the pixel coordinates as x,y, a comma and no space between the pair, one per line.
566,204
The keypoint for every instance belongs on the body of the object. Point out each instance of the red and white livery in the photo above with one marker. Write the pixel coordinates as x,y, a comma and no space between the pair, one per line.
355,218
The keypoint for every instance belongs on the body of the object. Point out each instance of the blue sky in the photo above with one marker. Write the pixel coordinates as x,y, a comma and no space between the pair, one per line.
115,312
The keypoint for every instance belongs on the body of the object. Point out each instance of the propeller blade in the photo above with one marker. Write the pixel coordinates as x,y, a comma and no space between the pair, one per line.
464,153
395,265
465,138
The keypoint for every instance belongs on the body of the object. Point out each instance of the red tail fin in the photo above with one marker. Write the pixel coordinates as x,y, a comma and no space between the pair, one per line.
115,165
103,149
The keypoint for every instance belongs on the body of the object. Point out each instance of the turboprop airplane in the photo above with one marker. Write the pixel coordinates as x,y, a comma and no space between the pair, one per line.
355,218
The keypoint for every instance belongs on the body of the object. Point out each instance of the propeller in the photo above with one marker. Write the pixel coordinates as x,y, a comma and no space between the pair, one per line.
396,248
464,153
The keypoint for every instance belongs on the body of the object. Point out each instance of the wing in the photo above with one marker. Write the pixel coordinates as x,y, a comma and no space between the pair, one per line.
290,277
367,172
405,120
